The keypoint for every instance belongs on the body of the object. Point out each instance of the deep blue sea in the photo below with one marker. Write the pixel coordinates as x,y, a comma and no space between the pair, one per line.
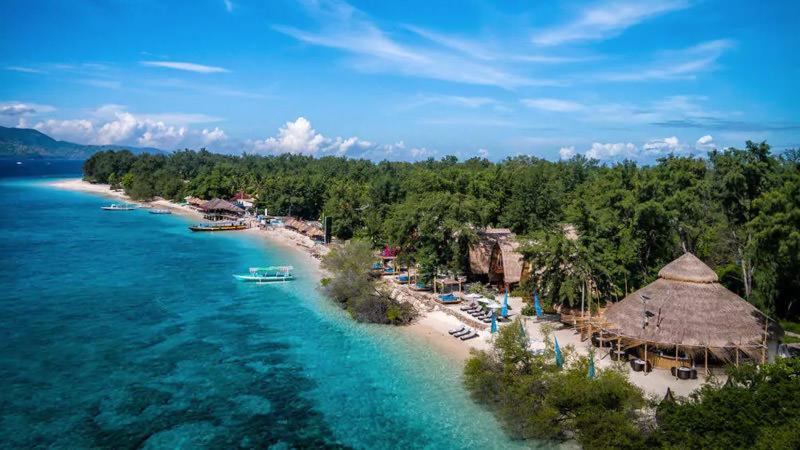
125,330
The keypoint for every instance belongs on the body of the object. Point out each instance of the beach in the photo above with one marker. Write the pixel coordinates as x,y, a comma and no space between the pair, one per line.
431,327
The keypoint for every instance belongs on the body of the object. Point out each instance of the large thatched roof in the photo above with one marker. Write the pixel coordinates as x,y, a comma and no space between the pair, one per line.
490,242
218,204
688,307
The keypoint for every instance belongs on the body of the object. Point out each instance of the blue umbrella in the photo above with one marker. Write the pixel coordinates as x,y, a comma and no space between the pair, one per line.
494,323
536,305
504,310
521,330
591,366
559,357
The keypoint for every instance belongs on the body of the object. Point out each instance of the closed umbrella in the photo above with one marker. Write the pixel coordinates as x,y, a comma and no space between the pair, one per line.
591,366
504,311
536,305
559,357
494,323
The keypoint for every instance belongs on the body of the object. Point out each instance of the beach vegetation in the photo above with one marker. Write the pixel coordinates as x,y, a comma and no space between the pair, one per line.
351,286
737,210
534,398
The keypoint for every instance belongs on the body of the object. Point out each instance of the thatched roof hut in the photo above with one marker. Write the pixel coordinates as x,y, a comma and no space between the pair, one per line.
222,206
496,256
686,307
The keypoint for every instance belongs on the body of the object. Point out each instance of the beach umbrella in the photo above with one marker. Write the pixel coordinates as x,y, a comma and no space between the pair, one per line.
494,323
521,330
504,311
536,305
591,366
559,357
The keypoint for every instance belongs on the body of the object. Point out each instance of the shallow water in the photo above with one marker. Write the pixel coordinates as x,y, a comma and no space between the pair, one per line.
125,330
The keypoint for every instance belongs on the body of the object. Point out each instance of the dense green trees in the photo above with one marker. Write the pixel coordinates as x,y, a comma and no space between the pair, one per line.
534,398
737,210
354,290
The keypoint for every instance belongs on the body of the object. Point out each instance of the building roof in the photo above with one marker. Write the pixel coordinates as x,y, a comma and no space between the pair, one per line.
688,307
218,204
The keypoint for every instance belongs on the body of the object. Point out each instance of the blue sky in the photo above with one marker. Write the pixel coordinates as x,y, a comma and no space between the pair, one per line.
406,80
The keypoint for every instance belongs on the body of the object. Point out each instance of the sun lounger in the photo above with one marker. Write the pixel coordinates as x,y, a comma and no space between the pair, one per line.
470,336
463,333
487,320
458,330
469,307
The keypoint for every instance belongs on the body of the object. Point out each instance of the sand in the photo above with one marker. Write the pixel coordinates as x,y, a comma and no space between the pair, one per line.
432,326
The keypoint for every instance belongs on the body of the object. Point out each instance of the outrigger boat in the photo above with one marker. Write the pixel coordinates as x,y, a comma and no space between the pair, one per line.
219,226
267,274
160,211
116,207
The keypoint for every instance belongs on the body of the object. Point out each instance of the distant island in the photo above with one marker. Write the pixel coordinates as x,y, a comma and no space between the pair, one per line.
32,144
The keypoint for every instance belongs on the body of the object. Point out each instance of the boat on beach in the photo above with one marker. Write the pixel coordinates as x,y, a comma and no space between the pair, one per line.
160,211
267,274
219,226
116,207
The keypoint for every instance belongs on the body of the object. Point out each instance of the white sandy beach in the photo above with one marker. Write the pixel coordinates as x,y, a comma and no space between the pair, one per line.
433,325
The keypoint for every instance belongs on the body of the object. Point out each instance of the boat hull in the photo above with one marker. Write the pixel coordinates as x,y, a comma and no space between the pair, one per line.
220,228
263,279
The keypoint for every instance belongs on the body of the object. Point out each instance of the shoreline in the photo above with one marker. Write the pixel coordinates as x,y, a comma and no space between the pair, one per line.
430,327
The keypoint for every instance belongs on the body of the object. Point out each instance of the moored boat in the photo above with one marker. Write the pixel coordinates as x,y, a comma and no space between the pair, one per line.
116,207
267,274
219,226
160,211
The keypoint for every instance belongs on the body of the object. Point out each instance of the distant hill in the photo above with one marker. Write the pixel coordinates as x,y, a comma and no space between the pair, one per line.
30,143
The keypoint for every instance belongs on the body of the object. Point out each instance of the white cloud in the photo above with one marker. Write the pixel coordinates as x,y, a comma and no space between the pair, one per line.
186,66
24,69
612,151
112,124
606,20
674,64
293,137
451,100
663,146
345,28
705,143
215,135
421,153
553,104
483,153
21,108
566,152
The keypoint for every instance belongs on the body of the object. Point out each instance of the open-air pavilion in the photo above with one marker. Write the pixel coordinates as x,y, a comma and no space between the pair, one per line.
495,258
686,318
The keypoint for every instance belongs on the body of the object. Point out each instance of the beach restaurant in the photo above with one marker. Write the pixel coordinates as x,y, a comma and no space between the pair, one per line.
218,209
495,258
687,319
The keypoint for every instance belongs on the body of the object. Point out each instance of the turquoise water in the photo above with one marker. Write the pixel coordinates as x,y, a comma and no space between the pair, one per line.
125,330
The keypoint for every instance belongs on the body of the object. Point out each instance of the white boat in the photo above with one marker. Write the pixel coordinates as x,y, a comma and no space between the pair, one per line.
267,274
116,207
160,211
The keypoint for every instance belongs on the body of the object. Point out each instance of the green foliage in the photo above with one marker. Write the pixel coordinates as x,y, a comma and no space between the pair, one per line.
354,290
737,210
758,408
535,399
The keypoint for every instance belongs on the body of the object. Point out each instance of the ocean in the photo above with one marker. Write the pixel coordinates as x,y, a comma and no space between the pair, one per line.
125,330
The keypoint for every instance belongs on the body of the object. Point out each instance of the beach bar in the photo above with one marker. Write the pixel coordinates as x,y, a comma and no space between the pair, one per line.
686,319
495,258
218,209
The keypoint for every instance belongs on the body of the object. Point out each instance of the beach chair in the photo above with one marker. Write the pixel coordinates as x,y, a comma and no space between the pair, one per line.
463,333
469,307
458,330
470,336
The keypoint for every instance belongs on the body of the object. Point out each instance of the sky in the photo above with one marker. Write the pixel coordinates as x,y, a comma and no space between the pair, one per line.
407,80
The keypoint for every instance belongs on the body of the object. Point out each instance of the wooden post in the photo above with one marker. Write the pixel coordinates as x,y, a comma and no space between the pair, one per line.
645,357
619,347
676,359
706,356
764,348
737,356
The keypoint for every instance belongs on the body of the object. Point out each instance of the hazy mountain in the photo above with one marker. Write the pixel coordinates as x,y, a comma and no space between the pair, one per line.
29,143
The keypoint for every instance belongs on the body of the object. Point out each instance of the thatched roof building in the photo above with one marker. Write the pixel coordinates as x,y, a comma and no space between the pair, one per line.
686,307
496,256
218,209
